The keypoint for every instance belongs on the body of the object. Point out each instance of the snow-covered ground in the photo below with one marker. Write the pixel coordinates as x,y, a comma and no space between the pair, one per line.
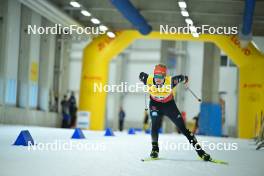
120,155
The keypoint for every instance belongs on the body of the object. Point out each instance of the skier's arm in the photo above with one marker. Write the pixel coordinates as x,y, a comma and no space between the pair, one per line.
178,79
143,77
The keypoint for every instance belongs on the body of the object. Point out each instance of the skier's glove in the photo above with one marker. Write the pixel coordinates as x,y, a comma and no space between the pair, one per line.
142,76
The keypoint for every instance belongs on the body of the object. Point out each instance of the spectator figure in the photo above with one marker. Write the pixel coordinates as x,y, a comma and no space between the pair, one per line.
146,119
56,103
223,113
121,118
73,109
65,112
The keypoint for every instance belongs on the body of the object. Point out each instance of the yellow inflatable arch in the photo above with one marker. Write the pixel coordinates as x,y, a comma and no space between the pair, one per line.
101,50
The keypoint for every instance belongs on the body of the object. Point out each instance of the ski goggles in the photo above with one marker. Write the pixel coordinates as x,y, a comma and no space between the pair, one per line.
159,76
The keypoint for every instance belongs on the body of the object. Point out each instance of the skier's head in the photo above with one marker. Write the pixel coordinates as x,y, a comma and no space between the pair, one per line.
160,72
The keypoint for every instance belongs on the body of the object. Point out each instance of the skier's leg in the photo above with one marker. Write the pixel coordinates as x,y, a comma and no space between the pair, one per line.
121,125
175,116
155,125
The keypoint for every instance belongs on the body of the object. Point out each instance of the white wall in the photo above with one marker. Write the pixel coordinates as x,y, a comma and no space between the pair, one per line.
226,75
13,115
75,67
110,108
228,84
195,72
9,112
259,41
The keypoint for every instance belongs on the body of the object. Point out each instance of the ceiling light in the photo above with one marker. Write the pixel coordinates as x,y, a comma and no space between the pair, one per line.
75,4
111,34
95,21
184,13
182,4
85,13
189,21
103,28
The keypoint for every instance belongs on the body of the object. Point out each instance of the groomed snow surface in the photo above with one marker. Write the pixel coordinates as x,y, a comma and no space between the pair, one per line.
98,155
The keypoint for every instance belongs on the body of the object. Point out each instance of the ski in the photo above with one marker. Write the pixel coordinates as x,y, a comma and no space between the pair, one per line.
212,160
150,159
216,161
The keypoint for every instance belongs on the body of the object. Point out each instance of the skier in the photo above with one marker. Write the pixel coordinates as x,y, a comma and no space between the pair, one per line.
122,116
162,103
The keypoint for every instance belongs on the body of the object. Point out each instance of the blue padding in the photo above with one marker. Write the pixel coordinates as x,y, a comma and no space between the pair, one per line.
210,120
132,131
24,138
109,132
132,14
78,134
248,17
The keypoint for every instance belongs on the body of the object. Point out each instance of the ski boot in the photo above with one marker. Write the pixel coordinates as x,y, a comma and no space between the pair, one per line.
204,156
155,150
199,150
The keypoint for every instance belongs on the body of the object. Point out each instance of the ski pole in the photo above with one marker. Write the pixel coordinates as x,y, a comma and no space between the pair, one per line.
146,106
199,99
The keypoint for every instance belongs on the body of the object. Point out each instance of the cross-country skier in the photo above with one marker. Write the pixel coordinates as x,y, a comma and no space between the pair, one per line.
162,103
